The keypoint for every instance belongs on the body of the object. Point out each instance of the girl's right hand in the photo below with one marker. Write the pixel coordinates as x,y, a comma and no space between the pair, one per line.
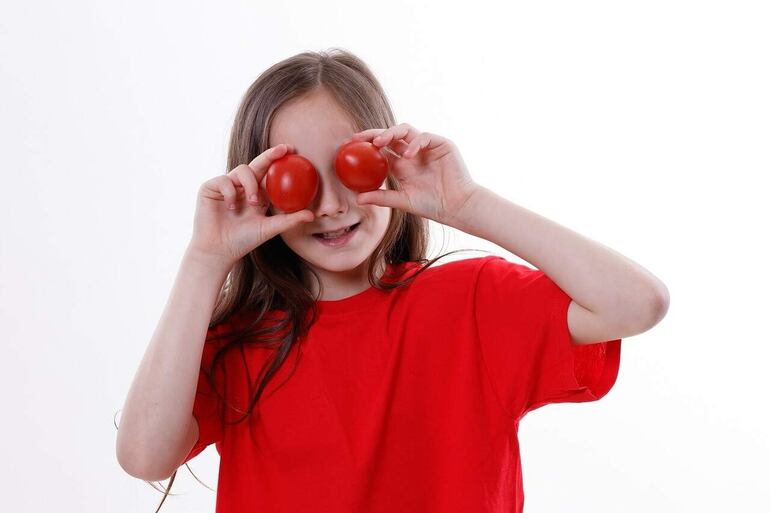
226,234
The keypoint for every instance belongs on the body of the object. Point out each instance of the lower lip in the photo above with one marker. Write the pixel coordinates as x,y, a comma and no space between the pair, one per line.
339,241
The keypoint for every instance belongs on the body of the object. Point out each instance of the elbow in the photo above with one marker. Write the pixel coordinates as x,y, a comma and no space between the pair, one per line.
653,309
660,302
128,460
645,312
133,465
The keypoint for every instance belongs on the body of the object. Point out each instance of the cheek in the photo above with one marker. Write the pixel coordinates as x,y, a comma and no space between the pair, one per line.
381,218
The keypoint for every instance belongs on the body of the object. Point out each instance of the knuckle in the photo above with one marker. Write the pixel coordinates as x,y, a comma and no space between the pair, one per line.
247,177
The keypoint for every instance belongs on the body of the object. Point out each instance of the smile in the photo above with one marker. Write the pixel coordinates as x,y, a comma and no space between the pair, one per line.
338,238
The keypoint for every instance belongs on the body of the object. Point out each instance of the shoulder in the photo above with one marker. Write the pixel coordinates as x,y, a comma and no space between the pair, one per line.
492,279
469,271
458,268
447,280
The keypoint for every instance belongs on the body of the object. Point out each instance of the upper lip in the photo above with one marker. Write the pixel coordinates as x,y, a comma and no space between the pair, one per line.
336,229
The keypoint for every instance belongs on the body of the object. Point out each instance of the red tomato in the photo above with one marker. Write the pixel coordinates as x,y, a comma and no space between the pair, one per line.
291,182
361,166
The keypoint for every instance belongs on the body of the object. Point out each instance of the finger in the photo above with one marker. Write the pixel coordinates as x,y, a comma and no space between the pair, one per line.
426,141
278,223
243,176
261,163
391,156
395,147
226,188
403,131
386,198
365,135
417,144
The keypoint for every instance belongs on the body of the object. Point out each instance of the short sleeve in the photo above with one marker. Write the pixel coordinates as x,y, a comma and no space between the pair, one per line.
207,407
526,346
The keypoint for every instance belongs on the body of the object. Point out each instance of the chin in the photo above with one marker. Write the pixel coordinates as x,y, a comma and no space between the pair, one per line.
338,264
313,254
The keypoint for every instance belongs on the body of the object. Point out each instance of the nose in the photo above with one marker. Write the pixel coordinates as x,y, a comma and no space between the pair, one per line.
331,199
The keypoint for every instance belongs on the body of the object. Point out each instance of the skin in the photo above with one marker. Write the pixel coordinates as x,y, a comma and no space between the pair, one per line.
612,296
315,126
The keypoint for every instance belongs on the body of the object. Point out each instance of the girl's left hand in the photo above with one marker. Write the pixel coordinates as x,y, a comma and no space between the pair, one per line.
434,180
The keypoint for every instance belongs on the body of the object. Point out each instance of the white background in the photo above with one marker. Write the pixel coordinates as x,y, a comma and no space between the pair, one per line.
642,125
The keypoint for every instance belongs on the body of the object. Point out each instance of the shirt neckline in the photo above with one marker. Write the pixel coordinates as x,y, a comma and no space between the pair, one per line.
364,299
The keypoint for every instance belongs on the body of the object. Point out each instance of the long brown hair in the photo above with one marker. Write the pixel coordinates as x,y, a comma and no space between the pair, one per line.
272,276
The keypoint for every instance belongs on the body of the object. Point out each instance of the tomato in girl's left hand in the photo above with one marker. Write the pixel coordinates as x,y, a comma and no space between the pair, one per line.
361,166
291,182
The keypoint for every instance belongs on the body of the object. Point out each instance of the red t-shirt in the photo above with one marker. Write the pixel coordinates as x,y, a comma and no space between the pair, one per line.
407,400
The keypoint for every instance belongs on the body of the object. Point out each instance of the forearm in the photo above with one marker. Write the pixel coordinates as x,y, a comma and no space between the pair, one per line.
157,412
593,275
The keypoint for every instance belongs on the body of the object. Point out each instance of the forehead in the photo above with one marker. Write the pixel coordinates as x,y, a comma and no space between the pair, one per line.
310,122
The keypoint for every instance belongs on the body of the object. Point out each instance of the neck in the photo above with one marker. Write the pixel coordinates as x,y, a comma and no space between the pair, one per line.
339,285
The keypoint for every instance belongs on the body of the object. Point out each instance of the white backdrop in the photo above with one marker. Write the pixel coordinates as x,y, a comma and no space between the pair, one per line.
642,125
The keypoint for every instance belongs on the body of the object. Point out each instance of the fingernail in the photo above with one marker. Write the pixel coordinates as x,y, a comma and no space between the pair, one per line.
253,197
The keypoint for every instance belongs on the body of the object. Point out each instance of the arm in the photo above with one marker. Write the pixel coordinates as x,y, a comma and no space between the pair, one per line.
157,428
613,297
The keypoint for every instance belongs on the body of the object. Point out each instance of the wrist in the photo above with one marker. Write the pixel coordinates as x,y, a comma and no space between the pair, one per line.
211,262
465,218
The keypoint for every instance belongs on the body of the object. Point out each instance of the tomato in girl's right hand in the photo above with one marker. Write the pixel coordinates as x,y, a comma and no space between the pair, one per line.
291,183
230,216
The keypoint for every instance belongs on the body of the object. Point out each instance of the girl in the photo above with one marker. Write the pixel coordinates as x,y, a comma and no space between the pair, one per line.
356,377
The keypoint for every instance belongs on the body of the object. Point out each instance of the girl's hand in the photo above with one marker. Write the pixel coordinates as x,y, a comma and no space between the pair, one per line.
434,180
230,218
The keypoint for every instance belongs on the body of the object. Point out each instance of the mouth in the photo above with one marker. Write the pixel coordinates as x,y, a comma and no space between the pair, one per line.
338,232
339,237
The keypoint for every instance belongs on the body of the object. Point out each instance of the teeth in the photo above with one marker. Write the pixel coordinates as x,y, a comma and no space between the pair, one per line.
333,235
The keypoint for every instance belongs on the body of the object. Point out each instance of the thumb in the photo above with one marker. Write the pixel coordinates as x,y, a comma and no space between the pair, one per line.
278,223
385,198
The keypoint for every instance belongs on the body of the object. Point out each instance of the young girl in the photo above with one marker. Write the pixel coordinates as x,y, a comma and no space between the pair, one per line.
356,377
